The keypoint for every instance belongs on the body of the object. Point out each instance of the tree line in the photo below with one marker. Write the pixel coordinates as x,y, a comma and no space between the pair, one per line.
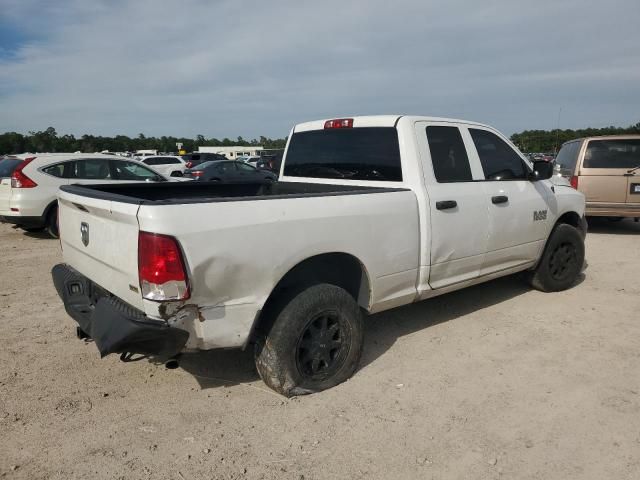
49,141
552,140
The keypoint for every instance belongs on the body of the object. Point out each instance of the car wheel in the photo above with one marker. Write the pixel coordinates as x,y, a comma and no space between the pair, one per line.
314,343
561,261
52,222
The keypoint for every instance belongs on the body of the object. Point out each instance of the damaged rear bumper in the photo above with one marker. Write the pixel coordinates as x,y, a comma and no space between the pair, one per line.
115,326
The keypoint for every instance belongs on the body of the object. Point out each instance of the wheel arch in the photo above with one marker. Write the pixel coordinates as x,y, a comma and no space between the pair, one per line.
336,268
575,220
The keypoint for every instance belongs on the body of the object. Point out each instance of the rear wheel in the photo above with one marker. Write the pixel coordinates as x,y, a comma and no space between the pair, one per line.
314,343
561,261
52,222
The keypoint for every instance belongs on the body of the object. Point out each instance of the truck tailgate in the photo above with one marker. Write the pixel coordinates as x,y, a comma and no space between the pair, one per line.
99,239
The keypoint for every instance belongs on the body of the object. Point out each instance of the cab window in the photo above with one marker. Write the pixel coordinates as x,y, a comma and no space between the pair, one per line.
499,161
448,155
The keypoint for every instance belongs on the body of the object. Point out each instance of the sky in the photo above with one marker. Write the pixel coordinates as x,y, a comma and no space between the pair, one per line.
248,68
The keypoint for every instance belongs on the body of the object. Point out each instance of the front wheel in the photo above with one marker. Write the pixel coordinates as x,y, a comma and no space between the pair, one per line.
561,261
314,343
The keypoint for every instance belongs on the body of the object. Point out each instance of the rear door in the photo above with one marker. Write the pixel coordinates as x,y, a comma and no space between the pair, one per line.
521,212
247,173
604,177
7,166
458,206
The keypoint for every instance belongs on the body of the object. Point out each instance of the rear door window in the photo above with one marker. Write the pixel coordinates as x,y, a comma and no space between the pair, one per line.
499,161
92,169
623,153
448,155
7,166
366,153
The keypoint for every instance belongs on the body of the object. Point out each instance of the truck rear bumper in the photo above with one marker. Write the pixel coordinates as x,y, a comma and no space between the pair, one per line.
115,326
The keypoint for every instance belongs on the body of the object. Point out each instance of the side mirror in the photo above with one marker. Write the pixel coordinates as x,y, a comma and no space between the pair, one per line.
542,170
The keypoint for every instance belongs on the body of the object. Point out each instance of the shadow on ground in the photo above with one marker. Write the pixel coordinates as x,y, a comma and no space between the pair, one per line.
228,367
602,225
36,234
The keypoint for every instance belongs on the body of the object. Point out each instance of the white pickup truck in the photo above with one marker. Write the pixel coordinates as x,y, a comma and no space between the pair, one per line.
369,213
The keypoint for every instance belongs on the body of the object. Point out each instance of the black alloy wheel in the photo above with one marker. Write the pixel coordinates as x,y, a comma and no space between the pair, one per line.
323,347
562,261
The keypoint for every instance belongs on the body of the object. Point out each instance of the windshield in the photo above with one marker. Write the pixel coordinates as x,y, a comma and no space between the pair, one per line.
623,153
7,166
367,153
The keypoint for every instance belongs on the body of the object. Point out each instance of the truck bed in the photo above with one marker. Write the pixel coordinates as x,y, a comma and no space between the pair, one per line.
172,193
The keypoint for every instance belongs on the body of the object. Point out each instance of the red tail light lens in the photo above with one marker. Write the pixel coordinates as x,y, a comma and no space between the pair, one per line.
161,268
197,173
19,179
339,123
574,182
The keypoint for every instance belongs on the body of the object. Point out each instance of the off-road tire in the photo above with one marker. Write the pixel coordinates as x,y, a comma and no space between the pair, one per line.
561,262
304,329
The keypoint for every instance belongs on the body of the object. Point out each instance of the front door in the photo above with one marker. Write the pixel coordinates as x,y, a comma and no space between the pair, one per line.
521,211
458,207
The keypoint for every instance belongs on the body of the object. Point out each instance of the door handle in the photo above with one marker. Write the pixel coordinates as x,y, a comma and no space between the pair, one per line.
446,204
499,199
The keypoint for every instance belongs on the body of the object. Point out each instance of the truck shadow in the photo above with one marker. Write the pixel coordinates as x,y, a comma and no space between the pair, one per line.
601,225
218,368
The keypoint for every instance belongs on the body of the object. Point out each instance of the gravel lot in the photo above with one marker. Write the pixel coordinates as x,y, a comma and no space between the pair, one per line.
496,381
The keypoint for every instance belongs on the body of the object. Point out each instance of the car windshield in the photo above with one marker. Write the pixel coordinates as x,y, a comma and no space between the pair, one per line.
365,153
7,166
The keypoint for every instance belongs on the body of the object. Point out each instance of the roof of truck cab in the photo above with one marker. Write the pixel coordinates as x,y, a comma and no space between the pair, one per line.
380,121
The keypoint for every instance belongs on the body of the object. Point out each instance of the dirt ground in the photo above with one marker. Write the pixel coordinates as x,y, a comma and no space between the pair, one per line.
496,381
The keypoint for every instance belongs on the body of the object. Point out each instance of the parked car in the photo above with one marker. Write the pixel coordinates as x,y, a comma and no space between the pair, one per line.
251,160
607,171
168,165
370,213
229,171
196,158
28,187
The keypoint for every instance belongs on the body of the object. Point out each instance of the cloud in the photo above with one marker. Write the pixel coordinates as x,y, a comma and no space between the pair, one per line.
229,68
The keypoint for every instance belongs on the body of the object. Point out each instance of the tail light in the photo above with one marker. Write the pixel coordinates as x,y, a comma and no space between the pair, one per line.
161,268
574,182
19,179
197,173
339,123
189,164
